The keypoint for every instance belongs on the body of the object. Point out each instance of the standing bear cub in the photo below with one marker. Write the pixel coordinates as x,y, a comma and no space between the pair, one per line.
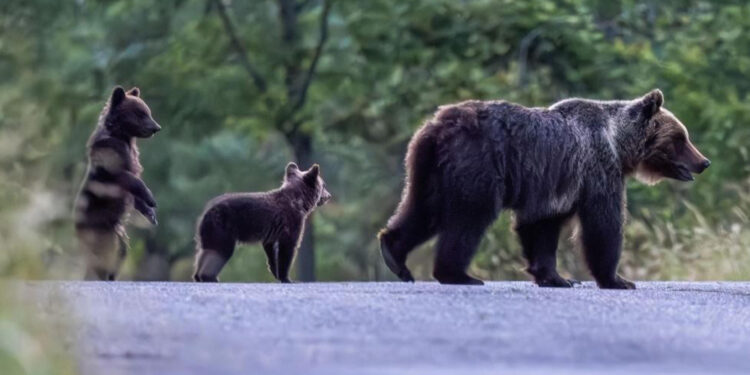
113,184
475,158
275,218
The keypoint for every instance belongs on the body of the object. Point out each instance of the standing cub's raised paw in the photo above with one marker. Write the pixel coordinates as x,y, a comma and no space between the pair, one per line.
275,218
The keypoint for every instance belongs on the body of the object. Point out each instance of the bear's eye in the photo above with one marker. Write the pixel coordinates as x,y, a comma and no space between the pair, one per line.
679,143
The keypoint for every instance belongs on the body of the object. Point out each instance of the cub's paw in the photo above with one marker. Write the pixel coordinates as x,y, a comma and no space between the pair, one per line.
617,283
150,200
286,281
150,214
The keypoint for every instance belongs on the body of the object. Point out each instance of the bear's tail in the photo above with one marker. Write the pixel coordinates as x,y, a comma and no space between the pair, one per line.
415,219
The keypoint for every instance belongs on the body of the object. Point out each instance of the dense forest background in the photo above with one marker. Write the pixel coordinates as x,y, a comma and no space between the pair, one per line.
242,87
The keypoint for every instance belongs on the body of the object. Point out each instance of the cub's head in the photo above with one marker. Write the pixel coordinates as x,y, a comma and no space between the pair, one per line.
128,115
666,148
309,181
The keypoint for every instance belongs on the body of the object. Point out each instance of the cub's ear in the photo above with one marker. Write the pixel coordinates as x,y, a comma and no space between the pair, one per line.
118,95
134,92
651,103
311,176
291,169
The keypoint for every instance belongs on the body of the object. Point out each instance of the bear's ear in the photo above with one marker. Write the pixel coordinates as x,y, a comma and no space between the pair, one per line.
291,169
134,92
118,95
311,176
651,103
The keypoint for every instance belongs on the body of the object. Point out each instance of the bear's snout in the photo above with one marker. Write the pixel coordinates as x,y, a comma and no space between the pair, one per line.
324,198
695,160
702,166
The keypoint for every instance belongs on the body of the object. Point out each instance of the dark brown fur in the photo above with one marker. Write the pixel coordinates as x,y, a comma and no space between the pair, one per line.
112,184
275,218
474,159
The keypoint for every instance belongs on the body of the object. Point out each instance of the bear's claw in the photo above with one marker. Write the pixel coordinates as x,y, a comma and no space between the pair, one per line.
460,280
617,283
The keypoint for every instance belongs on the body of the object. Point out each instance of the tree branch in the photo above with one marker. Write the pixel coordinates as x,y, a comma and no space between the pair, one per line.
258,80
302,5
523,54
316,57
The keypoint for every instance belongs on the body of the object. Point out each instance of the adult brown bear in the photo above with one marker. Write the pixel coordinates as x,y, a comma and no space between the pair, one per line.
475,158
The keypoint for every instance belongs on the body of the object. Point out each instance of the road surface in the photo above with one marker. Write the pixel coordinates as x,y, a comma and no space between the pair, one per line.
398,328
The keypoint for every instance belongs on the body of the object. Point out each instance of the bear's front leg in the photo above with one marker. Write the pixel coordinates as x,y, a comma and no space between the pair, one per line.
539,241
148,212
601,216
272,253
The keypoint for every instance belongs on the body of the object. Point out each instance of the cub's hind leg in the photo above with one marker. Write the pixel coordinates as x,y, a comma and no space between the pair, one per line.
103,252
208,264
122,252
211,258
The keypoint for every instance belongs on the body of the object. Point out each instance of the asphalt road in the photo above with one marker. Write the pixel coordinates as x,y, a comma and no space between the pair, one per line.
397,328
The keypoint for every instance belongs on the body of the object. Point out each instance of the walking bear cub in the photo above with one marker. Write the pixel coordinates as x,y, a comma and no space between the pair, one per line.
475,158
275,218
112,184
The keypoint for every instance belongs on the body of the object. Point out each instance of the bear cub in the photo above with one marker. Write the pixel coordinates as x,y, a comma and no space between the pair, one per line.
276,219
112,185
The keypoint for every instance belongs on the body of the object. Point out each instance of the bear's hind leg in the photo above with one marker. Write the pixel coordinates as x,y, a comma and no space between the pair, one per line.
398,242
539,241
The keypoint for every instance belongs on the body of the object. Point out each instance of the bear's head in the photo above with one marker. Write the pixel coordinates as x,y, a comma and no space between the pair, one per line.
129,116
309,182
666,149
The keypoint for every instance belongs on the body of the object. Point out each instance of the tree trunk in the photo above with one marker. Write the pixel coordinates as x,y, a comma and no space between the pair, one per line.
155,264
302,147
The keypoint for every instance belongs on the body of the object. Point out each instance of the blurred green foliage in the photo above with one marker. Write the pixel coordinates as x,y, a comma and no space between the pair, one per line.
385,66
